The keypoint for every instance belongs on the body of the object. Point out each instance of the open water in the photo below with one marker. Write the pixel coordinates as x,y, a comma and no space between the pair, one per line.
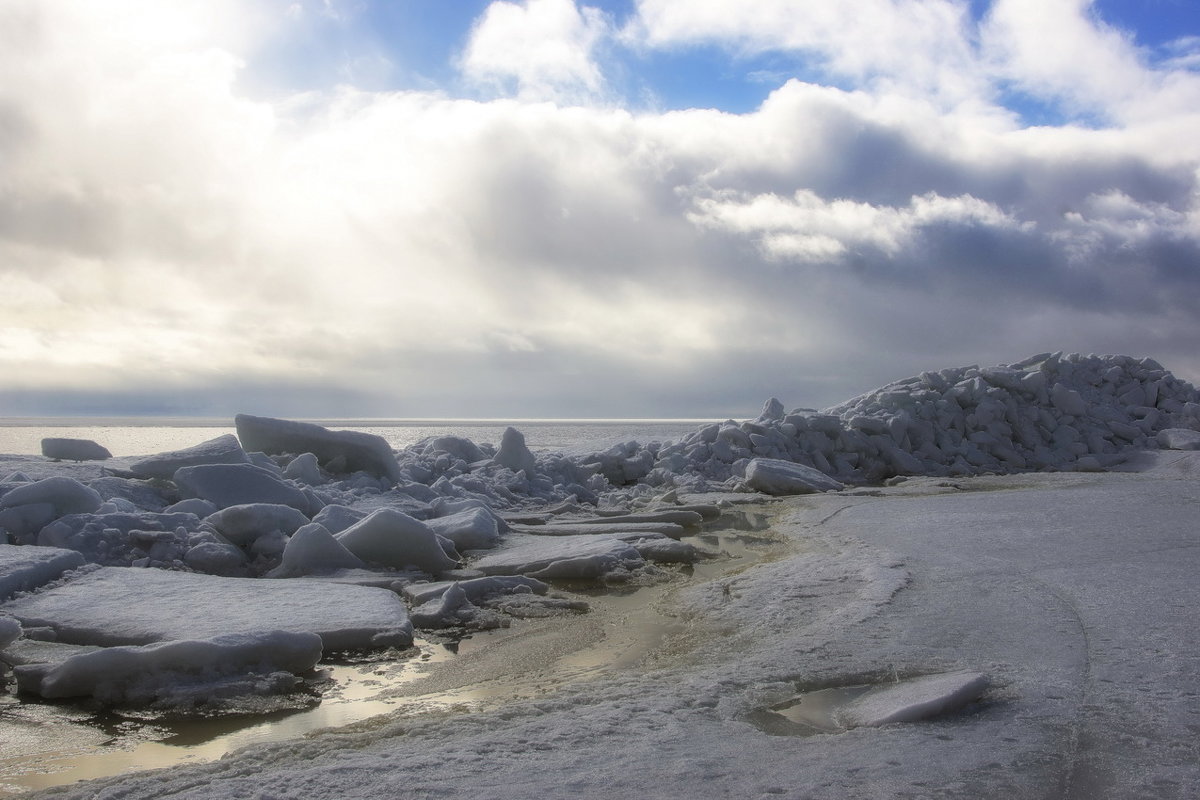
136,436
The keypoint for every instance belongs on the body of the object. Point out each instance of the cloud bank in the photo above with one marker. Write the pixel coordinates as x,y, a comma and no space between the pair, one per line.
173,240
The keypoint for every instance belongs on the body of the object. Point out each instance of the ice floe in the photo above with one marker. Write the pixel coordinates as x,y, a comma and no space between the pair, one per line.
337,451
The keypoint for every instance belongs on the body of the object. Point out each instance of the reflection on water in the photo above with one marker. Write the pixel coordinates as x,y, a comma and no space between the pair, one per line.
43,744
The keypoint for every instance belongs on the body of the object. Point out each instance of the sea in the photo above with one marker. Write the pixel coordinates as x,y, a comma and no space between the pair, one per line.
137,436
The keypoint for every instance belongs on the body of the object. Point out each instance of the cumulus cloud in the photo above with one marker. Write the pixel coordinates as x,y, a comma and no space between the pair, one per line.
542,47
168,242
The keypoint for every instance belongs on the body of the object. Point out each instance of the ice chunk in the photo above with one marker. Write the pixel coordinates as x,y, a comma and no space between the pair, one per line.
216,558
194,505
122,605
1178,439
476,589
394,539
226,485
772,411
221,450
544,557
600,527
304,468
242,524
313,550
67,495
10,631
337,451
24,568
513,453
456,446
336,518
74,450
141,674
472,529
775,477
913,700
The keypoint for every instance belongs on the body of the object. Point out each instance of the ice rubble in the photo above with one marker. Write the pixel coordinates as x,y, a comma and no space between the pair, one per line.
296,500
74,450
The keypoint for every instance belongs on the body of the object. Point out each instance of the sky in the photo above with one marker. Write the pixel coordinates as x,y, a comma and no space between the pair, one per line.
551,208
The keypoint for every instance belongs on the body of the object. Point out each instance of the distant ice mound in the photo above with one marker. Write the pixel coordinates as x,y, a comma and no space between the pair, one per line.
1051,411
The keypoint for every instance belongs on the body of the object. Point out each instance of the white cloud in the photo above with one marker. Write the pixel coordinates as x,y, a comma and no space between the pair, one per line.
163,234
544,47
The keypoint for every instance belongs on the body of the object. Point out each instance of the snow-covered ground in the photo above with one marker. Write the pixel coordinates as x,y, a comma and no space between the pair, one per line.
932,626
1074,593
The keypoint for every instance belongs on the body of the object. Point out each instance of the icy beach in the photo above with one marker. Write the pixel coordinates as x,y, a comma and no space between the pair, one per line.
979,582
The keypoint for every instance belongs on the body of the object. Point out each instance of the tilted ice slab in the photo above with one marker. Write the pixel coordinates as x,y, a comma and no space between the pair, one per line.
913,700
585,556
24,569
140,674
337,451
775,477
114,606
221,450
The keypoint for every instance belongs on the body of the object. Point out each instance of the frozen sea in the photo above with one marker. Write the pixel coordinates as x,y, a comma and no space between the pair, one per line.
134,436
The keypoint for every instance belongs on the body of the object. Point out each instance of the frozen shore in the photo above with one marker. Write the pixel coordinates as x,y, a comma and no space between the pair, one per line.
1075,593
1018,540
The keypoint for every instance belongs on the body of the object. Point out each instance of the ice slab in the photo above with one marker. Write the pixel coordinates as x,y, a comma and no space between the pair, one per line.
913,700
600,527
394,539
221,450
145,673
584,557
242,524
74,450
1179,439
25,568
313,550
775,477
226,485
337,451
115,606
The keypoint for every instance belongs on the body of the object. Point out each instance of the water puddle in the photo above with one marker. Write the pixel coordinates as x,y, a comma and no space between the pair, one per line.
50,744
808,713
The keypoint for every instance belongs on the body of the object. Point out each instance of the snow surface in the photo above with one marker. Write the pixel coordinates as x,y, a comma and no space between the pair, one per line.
1074,593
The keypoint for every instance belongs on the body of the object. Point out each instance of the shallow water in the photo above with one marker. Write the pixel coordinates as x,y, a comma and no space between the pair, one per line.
45,744
126,437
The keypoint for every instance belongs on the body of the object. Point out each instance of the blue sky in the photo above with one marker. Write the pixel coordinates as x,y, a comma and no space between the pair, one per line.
558,208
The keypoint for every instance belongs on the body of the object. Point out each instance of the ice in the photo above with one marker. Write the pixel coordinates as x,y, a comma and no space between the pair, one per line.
114,606
514,454
243,524
23,569
913,700
217,558
336,518
583,557
775,477
456,446
226,485
194,505
74,450
337,451
1179,439
122,538
304,468
599,527
221,450
10,631
66,495
142,674
313,550
471,529
394,539
475,589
